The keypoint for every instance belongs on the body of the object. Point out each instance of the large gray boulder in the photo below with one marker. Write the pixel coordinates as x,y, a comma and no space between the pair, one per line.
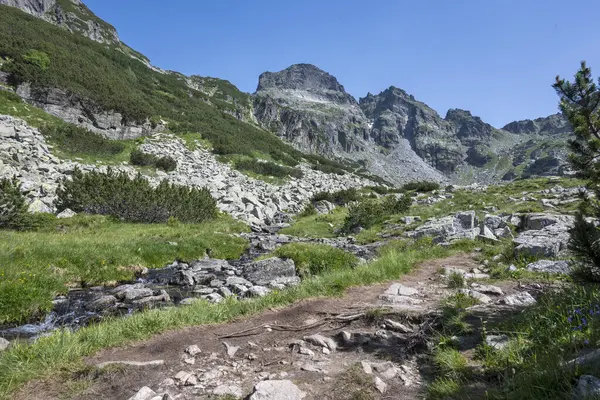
277,390
545,235
550,267
460,226
263,272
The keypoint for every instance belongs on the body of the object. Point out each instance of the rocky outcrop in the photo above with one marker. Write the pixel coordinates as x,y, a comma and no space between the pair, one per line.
85,113
72,15
309,108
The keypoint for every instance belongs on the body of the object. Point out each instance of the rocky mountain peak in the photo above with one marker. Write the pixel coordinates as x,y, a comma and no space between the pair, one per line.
300,77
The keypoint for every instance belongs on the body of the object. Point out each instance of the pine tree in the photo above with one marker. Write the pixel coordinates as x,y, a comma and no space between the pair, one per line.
580,103
12,203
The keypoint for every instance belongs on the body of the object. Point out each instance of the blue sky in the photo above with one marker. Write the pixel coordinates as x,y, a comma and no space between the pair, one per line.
497,58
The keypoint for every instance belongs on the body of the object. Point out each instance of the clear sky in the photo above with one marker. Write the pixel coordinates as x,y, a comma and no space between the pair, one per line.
496,58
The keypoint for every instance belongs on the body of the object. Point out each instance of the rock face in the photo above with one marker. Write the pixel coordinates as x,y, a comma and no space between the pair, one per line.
72,15
309,108
399,138
82,112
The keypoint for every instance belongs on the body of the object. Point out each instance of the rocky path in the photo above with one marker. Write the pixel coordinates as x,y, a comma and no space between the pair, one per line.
373,340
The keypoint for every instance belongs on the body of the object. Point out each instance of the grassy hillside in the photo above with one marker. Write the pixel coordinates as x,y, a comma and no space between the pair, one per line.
47,56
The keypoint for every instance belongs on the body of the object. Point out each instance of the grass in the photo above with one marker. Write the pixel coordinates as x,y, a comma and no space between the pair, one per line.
317,226
90,250
354,384
450,363
48,355
456,280
313,259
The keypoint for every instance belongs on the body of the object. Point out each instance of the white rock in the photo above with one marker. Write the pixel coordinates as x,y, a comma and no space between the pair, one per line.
229,390
144,393
519,299
4,344
277,390
68,213
193,350
380,385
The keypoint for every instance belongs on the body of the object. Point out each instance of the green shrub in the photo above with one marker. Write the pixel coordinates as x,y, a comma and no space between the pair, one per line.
309,210
12,204
267,168
421,186
340,198
584,244
142,159
369,212
314,259
329,169
134,200
76,140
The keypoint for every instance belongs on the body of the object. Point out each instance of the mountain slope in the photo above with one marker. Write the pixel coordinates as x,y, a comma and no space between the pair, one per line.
71,15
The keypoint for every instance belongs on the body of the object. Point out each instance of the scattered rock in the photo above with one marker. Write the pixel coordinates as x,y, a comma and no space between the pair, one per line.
277,390
4,344
229,390
322,341
231,350
366,367
497,342
144,393
397,326
67,213
399,289
193,350
482,298
380,385
487,289
550,267
519,300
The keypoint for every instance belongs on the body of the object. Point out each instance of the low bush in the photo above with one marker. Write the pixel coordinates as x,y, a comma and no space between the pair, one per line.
421,186
142,159
267,168
328,169
315,259
309,210
340,198
134,200
369,212
13,208
75,140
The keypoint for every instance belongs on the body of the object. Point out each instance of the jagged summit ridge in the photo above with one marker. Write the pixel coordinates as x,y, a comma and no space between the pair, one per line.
299,77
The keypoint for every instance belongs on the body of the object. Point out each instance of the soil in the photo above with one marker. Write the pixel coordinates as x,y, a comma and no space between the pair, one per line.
267,353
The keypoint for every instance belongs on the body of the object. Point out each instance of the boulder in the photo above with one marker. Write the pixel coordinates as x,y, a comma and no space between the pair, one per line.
4,344
538,221
38,206
265,271
482,298
324,206
497,342
519,300
493,222
588,387
101,303
277,390
67,213
144,393
549,241
465,220
550,267
258,291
